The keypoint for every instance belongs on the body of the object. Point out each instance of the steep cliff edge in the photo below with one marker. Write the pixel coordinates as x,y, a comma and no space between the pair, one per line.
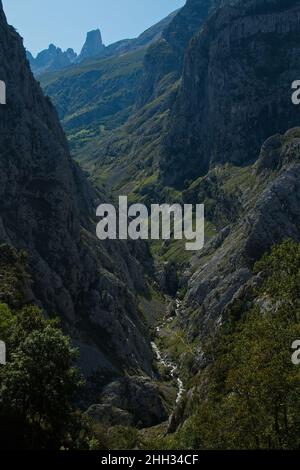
164,60
47,209
236,88
268,195
92,46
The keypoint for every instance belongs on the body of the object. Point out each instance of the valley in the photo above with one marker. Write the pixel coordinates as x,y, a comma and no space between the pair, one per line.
177,348
155,154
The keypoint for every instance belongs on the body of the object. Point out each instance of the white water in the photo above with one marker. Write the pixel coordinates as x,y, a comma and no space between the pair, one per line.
173,368
173,371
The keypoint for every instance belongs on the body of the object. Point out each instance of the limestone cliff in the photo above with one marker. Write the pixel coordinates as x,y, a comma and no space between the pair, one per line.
236,88
164,60
47,208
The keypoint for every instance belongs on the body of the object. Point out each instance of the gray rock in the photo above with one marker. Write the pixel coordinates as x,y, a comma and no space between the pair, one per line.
138,396
93,45
110,416
47,208
234,95
224,269
51,60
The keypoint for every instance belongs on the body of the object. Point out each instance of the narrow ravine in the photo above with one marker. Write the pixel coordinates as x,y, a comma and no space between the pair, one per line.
166,362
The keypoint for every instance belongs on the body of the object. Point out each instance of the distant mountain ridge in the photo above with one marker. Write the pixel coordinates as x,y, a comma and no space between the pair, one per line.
51,59
98,94
55,59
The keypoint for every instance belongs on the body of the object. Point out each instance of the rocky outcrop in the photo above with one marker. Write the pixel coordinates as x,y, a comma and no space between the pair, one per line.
55,59
47,209
236,88
269,215
51,60
93,45
130,401
164,59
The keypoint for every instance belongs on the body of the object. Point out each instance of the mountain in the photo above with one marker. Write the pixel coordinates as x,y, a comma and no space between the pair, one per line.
47,209
215,126
123,46
202,114
95,96
54,59
131,156
233,97
99,94
51,59
93,45
171,144
199,141
223,281
164,59
145,39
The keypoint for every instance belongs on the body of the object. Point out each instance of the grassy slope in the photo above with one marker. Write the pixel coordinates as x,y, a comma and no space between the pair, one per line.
95,96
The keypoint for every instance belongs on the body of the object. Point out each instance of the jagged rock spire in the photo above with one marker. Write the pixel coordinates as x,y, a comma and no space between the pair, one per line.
93,45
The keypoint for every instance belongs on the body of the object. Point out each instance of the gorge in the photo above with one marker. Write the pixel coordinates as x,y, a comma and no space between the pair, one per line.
178,348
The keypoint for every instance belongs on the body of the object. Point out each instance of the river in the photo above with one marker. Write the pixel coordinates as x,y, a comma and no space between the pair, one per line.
166,362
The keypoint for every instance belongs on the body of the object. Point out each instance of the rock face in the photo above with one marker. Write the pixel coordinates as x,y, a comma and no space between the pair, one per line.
269,214
165,57
93,45
130,401
54,59
51,59
47,208
236,88
134,152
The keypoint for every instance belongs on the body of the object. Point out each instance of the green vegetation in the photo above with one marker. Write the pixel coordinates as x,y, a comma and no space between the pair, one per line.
96,96
248,397
40,384
39,381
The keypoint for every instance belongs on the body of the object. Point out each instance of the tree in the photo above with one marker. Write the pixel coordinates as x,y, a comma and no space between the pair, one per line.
40,381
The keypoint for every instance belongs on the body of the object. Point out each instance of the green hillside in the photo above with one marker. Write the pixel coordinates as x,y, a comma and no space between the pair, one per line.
95,96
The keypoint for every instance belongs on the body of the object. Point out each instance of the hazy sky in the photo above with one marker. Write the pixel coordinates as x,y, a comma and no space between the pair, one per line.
66,22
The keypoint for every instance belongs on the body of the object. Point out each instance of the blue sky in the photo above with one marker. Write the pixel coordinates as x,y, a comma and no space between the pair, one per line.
66,22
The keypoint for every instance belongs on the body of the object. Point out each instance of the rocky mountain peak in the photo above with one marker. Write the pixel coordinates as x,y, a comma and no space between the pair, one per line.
51,59
92,46
71,54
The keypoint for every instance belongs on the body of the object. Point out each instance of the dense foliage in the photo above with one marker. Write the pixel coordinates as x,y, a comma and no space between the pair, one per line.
39,383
